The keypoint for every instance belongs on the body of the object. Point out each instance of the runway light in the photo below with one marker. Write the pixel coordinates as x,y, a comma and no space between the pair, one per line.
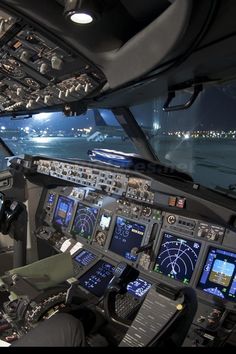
186,136
82,12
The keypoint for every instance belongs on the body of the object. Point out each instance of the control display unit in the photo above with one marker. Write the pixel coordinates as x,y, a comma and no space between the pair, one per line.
219,274
84,258
138,288
177,257
127,238
63,212
84,221
97,278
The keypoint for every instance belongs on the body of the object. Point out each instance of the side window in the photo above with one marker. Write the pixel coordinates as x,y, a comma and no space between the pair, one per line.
4,152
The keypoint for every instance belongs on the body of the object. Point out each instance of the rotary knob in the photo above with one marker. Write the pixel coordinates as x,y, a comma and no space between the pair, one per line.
171,219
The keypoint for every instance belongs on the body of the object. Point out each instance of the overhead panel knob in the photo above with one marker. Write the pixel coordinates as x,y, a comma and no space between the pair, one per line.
19,91
60,94
30,104
86,88
56,63
47,99
72,89
43,68
2,25
78,87
25,55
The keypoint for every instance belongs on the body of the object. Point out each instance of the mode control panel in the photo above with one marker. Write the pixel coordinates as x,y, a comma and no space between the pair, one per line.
137,211
140,189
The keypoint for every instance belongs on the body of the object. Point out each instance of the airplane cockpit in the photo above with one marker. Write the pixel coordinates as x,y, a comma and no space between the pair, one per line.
117,173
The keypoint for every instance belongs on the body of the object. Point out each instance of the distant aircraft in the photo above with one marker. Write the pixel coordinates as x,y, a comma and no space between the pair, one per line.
102,130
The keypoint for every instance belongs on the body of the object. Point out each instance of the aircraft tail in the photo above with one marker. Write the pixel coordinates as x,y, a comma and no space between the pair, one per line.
99,120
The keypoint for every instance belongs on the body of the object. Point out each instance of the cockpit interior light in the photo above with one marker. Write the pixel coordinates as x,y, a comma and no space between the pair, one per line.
82,11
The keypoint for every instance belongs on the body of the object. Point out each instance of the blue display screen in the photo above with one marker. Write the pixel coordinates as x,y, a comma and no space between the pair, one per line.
177,257
97,278
84,221
138,288
127,236
63,212
84,258
219,274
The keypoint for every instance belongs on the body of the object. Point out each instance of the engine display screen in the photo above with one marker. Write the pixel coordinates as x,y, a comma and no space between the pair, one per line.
84,258
84,221
138,288
63,212
219,274
177,257
127,237
97,278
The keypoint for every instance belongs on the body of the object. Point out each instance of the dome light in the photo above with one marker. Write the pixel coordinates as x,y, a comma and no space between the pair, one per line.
82,12
81,18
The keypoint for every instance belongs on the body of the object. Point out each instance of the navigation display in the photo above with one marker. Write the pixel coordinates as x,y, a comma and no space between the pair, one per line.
177,257
219,274
138,288
97,278
85,257
63,212
127,237
84,221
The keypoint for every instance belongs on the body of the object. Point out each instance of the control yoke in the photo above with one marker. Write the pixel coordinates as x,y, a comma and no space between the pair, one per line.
9,210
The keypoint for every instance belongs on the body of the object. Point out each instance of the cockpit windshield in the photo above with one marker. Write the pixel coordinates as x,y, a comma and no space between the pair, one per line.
200,140
55,135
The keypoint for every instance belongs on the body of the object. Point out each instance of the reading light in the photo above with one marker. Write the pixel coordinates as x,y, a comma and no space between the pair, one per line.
82,11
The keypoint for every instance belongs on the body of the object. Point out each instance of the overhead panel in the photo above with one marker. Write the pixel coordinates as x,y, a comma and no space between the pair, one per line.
38,72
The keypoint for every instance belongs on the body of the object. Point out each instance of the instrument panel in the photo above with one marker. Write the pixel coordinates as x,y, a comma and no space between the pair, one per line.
124,216
104,215
163,246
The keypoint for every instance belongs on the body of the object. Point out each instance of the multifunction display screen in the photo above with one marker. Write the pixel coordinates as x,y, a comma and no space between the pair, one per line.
219,274
84,221
84,258
138,288
97,278
127,237
177,257
63,212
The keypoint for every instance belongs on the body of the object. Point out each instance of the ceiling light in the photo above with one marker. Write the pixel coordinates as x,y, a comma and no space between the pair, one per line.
82,11
81,18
